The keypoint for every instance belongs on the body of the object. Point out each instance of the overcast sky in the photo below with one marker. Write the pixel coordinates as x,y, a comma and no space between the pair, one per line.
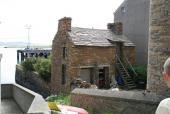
43,16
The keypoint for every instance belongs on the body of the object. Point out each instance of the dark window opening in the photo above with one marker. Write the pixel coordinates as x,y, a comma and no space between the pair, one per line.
101,78
63,74
64,52
92,76
123,10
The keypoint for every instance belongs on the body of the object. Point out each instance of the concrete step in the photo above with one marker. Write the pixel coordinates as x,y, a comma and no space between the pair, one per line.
131,84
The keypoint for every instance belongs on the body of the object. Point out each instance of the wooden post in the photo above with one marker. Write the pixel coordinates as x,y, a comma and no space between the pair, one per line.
17,57
22,56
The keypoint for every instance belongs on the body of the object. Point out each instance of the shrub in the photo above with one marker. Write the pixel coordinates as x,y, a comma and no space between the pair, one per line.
40,65
43,67
60,99
141,71
28,64
141,78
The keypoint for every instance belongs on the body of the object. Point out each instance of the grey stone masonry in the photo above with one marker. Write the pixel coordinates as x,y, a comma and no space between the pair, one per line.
159,45
115,101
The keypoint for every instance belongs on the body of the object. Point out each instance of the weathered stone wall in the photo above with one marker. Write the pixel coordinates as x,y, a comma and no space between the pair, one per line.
59,41
83,56
79,56
118,102
130,54
32,81
159,49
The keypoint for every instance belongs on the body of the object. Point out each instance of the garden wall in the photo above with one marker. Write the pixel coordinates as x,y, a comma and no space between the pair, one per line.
115,102
32,81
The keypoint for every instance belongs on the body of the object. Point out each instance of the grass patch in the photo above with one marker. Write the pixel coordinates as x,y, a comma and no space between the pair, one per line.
109,113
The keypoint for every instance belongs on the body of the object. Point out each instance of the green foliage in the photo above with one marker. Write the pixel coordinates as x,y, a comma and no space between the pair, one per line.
28,64
43,67
40,65
141,70
60,99
141,78
90,110
109,113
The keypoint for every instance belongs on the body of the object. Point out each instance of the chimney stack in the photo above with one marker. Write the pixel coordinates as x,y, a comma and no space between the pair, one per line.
64,24
117,28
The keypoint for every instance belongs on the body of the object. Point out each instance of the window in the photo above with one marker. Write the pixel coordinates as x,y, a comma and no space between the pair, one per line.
63,76
64,52
123,9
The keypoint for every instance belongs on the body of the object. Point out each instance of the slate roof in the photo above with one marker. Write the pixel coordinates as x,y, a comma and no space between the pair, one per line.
96,37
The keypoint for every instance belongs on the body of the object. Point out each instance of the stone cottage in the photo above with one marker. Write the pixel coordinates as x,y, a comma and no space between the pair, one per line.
89,54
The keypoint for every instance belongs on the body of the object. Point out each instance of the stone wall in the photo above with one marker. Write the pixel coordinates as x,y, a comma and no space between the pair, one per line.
95,57
130,53
118,102
80,56
32,81
59,41
159,41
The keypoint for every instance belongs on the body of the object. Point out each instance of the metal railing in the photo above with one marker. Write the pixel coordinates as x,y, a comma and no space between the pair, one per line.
122,65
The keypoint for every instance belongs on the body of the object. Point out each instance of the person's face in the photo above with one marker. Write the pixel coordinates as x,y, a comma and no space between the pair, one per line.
166,78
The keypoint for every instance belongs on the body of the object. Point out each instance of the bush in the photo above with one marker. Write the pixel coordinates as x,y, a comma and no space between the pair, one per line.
43,67
141,78
28,64
40,65
141,71
59,99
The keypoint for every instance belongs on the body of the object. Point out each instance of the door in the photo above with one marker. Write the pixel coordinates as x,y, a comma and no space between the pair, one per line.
85,74
102,78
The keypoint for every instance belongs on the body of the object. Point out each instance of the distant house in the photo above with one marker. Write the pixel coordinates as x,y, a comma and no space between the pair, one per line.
89,54
134,15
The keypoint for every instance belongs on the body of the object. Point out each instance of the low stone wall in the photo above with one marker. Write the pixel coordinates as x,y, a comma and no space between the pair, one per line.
115,102
28,101
32,81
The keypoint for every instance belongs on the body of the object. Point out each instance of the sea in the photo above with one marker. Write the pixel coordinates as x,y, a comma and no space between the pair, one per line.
8,64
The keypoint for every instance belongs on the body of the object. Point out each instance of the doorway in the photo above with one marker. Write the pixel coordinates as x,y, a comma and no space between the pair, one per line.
103,77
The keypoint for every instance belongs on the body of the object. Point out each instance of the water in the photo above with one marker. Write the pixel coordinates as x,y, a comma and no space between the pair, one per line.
8,64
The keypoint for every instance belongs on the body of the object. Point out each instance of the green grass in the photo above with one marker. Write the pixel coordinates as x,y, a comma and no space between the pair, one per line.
63,99
109,113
